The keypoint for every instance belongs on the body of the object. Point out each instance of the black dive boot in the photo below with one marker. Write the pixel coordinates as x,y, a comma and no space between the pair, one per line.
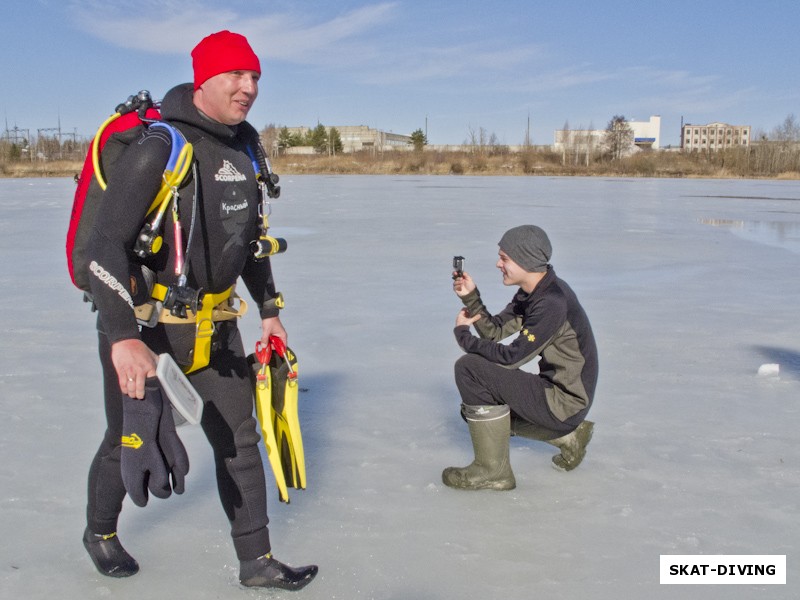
108,555
267,572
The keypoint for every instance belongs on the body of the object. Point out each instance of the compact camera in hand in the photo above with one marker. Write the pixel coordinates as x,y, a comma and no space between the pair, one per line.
458,266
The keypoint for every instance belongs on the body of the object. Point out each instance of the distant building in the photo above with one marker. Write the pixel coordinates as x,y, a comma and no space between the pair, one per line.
714,137
581,140
646,136
360,137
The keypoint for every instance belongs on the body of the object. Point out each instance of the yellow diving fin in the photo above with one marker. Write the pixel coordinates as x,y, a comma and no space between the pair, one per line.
285,418
262,379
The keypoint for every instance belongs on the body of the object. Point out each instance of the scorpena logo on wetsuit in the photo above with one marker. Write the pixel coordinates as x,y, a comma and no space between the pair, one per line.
229,173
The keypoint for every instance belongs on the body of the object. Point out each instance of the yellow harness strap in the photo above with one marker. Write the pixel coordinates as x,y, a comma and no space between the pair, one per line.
216,307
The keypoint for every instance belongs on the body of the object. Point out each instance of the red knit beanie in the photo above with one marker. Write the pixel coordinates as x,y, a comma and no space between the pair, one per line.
222,52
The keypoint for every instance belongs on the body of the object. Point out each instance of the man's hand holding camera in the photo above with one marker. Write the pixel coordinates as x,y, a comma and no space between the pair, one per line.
463,284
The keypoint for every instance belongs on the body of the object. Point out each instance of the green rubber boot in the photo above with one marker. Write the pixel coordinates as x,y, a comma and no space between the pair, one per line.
490,428
572,446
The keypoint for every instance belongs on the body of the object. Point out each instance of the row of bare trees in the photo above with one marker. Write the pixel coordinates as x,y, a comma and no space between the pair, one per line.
42,148
584,146
770,153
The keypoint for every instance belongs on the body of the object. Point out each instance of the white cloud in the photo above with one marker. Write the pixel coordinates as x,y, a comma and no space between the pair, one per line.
476,61
169,27
358,41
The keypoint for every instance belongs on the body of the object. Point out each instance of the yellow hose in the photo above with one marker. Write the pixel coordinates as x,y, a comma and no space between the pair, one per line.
98,171
172,179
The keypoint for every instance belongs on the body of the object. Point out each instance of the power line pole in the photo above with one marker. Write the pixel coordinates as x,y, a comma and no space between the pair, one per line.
528,131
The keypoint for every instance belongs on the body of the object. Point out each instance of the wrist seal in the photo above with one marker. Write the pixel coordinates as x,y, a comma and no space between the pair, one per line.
275,303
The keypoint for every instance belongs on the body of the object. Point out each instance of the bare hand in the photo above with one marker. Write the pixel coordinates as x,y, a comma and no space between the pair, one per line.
134,362
273,326
463,318
463,285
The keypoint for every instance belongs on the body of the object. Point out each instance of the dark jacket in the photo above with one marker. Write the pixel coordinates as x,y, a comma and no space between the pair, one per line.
552,324
224,219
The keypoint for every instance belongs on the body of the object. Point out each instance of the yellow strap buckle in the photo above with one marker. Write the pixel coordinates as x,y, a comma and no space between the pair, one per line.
215,307
204,329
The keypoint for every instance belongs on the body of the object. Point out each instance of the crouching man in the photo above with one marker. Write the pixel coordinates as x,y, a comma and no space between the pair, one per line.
498,398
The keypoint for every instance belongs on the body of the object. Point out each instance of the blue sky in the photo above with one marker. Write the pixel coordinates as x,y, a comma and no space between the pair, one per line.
443,66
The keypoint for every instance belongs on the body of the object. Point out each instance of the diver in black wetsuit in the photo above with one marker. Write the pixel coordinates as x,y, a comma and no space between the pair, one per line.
224,220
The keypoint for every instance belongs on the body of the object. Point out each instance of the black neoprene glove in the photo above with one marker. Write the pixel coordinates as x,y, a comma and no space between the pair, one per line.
142,463
171,446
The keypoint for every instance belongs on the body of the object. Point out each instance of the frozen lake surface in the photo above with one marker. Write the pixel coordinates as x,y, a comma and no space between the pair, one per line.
691,286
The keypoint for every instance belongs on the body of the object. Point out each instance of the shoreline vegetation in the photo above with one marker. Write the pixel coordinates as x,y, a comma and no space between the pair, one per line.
757,162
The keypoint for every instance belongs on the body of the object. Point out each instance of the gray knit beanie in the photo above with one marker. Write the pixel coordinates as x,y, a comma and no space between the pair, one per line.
528,246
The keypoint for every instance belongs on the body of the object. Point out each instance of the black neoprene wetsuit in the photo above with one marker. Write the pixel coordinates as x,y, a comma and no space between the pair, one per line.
225,222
